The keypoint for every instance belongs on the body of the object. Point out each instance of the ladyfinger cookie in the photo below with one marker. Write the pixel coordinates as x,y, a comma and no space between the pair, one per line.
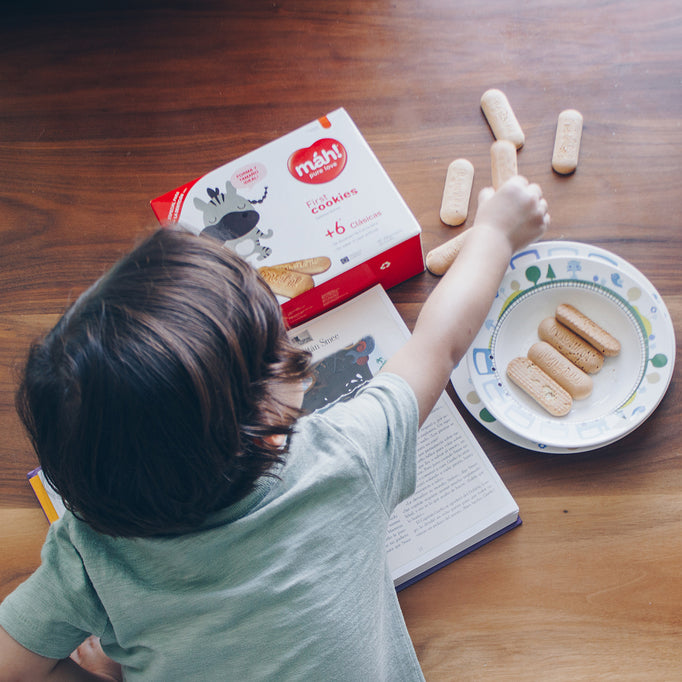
561,369
540,386
308,266
284,282
569,129
439,259
501,118
577,350
457,191
587,329
503,163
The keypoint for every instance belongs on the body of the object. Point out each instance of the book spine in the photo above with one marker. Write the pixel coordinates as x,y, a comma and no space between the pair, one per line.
43,497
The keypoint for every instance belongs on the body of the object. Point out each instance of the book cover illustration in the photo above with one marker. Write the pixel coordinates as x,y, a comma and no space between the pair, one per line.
339,375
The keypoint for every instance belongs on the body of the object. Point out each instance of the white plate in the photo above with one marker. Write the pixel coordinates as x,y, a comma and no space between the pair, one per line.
627,389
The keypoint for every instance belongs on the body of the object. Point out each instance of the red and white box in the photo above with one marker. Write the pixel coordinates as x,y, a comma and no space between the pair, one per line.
314,211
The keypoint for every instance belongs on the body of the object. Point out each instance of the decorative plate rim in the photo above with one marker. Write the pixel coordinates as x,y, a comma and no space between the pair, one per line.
466,377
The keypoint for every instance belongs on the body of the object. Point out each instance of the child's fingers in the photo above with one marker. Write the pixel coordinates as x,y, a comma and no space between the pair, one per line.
543,209
91,657
520,180
485,194
535,189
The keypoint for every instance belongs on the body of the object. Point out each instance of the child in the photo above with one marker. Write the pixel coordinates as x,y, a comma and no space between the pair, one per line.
214,532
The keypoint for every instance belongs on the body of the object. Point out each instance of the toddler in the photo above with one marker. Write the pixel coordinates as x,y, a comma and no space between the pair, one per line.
213,531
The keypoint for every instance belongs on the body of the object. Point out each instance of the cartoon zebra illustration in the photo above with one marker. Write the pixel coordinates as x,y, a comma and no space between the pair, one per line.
232,219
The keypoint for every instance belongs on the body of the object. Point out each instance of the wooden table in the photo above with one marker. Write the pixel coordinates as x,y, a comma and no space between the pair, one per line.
103,110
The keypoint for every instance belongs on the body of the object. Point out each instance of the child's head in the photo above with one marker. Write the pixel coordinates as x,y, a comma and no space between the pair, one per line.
152,401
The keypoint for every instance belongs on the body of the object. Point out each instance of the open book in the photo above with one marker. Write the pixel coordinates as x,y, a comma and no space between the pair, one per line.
460,502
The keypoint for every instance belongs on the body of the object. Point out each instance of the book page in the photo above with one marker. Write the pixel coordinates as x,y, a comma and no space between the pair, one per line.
459,500
369,312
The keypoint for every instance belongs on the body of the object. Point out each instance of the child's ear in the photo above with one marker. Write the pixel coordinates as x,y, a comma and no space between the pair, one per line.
277,439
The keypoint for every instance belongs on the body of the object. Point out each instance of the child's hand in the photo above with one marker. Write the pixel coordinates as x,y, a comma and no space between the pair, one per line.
506,221
90,657
517,211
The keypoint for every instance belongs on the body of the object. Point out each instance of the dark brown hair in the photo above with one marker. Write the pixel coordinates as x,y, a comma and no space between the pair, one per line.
148,402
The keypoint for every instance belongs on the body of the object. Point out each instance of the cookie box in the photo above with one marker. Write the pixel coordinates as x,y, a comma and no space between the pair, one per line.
314,211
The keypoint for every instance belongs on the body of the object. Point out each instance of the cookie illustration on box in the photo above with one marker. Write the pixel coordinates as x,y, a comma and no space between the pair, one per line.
232,219
340,374
296,277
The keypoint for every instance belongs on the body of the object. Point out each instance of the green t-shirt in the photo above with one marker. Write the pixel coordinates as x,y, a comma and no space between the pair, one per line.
291,583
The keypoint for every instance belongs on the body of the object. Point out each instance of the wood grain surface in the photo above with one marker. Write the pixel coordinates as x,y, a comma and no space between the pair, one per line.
103,109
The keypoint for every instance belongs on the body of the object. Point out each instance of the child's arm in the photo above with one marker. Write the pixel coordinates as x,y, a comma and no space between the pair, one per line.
506,221
18,663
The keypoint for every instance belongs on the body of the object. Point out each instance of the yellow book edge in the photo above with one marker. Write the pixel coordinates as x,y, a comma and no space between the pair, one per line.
40,487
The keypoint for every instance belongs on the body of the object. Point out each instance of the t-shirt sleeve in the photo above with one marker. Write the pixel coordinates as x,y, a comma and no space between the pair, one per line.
56,608
383,421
